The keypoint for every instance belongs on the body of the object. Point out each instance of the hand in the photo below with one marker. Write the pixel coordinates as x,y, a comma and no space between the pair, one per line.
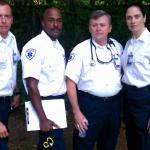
3,131
47,125
16,101
81,123
148,126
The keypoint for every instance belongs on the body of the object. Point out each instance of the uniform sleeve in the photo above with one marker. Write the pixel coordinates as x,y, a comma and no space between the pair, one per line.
74,64
31,62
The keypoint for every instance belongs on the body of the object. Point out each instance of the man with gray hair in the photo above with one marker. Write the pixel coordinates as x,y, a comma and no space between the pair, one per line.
96,102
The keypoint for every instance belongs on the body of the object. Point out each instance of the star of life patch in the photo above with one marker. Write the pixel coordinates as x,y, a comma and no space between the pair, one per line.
71,57
30,53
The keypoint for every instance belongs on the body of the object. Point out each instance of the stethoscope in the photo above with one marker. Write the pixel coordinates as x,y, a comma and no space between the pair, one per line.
110,46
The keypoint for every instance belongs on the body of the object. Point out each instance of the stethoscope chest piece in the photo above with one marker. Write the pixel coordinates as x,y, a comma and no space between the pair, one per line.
92,63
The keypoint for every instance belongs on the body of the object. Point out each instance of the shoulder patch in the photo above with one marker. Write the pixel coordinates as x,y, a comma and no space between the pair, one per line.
30,53
71,57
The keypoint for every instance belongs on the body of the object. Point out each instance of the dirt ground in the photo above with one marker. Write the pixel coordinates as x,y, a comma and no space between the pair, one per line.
20,139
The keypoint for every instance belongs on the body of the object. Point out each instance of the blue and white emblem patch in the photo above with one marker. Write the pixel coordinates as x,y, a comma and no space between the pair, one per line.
30,53
71,57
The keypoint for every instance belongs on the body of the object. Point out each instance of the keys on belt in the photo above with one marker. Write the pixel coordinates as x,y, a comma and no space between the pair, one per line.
105,98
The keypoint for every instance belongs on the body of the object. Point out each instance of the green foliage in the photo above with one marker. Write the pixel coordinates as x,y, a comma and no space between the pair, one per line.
75,15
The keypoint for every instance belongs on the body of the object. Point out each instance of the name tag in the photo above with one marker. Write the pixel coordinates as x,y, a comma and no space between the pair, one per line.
130,59
14,58
117,62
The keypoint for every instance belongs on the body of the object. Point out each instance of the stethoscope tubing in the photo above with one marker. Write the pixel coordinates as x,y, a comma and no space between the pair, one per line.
109,47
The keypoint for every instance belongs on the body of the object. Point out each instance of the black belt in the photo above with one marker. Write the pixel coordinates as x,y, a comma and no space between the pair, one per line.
132,87
2,98
52,97
82,93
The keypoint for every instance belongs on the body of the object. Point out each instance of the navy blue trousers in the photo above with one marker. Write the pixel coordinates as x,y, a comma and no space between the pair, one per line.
52,140
104,117
136,115
4,114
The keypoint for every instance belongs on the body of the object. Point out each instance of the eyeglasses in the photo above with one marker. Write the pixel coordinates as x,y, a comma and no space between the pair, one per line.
6,17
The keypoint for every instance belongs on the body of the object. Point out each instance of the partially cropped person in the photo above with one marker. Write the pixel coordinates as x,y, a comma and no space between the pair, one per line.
136,80
9,57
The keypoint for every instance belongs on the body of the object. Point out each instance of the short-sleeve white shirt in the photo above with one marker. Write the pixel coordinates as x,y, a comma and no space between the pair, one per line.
99,80
138,73
44,60
9,57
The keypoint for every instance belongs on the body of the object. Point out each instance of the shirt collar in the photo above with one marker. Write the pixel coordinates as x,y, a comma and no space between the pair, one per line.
55,43
9,37
142,37
46,37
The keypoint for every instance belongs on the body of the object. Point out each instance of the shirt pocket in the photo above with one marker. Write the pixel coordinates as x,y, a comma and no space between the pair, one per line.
138,59
143,60
4,60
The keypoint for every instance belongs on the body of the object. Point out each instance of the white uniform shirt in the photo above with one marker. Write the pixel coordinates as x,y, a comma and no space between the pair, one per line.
44,60
100,80
138,72
9,56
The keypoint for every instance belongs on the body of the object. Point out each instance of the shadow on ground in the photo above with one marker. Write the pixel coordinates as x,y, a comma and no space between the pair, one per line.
20,139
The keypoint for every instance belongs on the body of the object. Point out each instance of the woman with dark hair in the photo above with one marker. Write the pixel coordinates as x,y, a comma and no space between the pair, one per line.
136,80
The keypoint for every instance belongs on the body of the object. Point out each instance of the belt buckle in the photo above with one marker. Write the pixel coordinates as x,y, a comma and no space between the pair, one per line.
105,99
